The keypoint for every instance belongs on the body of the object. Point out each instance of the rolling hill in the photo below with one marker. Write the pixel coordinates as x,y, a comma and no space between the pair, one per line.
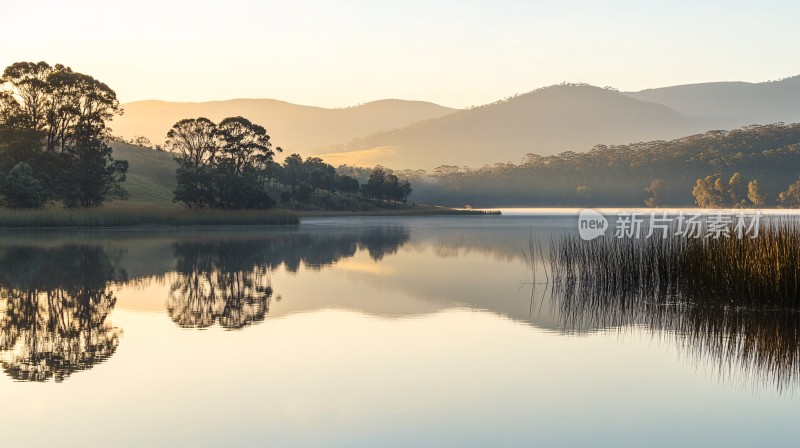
545,121
412,134
293,127
731,104
151,174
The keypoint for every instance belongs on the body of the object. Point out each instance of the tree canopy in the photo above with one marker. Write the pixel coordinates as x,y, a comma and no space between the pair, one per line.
56,121
223,165
21,189
383,184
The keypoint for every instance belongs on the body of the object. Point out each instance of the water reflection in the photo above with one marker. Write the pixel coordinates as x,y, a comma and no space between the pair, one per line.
58,294
228,281
56,309
760,343
219,282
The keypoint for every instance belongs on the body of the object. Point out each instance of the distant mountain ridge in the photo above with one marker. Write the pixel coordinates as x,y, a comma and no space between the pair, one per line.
545,121
732,104
295,127
415,134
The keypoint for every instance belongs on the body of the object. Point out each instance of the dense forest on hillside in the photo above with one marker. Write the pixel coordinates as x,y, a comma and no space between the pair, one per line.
622,175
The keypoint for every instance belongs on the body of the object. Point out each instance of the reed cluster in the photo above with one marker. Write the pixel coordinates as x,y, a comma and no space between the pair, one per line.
760,272
733,301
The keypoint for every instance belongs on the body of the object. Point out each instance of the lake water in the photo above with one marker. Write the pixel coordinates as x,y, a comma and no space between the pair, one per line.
355,332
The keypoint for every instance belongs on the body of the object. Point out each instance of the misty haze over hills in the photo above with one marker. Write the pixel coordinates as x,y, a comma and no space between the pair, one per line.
294,127
545,121
413,134
732,104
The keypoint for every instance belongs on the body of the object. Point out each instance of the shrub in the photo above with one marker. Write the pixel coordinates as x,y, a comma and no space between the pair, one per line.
22,189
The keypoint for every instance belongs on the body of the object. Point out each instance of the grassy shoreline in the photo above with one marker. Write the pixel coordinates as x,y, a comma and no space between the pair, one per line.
120,215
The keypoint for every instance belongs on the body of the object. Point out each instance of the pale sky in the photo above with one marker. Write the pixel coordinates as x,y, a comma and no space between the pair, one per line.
453,52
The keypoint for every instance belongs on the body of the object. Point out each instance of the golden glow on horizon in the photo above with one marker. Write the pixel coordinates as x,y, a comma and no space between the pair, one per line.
336,54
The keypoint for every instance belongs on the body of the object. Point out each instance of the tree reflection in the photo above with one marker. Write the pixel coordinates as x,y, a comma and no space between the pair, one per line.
227,282
319,249
216,283
56,307
56,298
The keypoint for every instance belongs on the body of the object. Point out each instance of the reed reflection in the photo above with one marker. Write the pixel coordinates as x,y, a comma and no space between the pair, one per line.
57,302
749,332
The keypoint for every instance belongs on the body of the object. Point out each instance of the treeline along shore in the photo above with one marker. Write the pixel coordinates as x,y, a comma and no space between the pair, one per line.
57,167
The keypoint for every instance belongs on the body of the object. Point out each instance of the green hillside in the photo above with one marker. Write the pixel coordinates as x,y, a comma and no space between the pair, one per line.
151,182
151,174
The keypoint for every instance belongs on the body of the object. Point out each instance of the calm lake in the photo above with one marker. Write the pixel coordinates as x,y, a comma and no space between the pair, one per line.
418,331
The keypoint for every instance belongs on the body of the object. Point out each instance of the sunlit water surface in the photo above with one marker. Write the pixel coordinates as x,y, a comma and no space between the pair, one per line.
346,332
